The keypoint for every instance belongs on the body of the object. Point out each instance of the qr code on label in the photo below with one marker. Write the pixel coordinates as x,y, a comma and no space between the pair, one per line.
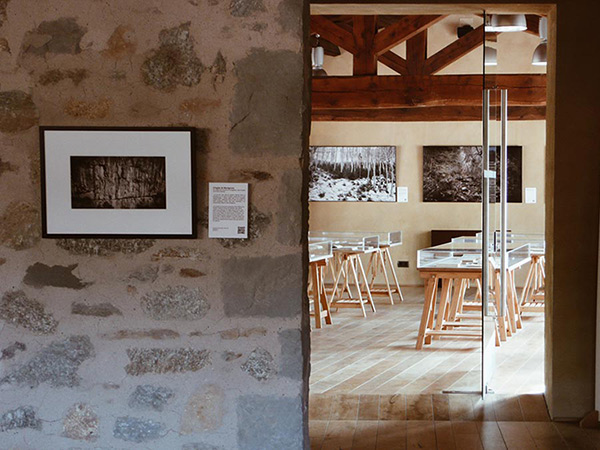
241,230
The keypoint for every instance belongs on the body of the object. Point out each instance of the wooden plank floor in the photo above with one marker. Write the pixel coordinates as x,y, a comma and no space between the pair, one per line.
377,356
370,388
440,421
451,435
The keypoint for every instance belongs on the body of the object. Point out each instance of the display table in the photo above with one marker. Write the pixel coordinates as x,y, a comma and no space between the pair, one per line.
533,295
320,254
347,250
381,261
456,265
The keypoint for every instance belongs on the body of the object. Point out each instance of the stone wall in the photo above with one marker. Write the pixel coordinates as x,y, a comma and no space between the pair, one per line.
143,343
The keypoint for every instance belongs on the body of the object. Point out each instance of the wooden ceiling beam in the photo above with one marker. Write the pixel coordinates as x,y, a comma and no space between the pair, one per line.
368,92
533,24
424,114
333,33
406,28
365,60
416,53
394,62
341,19
455,51
386,21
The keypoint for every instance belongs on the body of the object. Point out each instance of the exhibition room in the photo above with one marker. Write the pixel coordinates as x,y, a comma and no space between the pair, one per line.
427,156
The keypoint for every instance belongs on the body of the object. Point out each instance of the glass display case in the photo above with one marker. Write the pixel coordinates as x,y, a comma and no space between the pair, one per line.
452,255
465,253
537,242
517,256
390,238
347,241
319,250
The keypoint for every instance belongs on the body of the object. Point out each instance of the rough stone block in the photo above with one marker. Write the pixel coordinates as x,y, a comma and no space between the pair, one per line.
231,356
57,36
236,333
266,109
97,310
188,272
165,360
54,76
137,430
150,397
269,423
263,286
179,253
105,247
121,43
81,423
88,109
6,166
22,417
175,302
40,275
145,274
20,222
56,364
245,8
17,111
291,364
204,410
16,308
200,446
174,63
260,364
218,69
10,351
156,334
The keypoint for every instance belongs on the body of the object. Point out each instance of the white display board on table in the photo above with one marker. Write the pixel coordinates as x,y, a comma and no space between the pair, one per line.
228,210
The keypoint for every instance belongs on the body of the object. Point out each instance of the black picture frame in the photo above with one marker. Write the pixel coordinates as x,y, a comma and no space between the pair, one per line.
189,162
452,173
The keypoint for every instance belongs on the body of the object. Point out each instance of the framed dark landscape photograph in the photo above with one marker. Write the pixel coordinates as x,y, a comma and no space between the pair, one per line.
117,182
453,173
356,174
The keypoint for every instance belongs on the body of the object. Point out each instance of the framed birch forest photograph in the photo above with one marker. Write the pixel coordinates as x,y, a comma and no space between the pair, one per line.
353,174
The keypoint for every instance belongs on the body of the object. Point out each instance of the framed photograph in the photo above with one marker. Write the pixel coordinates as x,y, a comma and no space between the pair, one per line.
352,174
118,182
453,173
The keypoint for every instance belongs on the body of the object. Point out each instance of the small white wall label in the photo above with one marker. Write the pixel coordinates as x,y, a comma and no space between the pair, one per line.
530,195
402,194
228,210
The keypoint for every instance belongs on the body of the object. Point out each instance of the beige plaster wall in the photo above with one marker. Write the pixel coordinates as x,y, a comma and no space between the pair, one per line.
417,218
150,343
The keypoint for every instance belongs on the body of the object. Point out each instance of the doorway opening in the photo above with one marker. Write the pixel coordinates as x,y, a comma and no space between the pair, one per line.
418,118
